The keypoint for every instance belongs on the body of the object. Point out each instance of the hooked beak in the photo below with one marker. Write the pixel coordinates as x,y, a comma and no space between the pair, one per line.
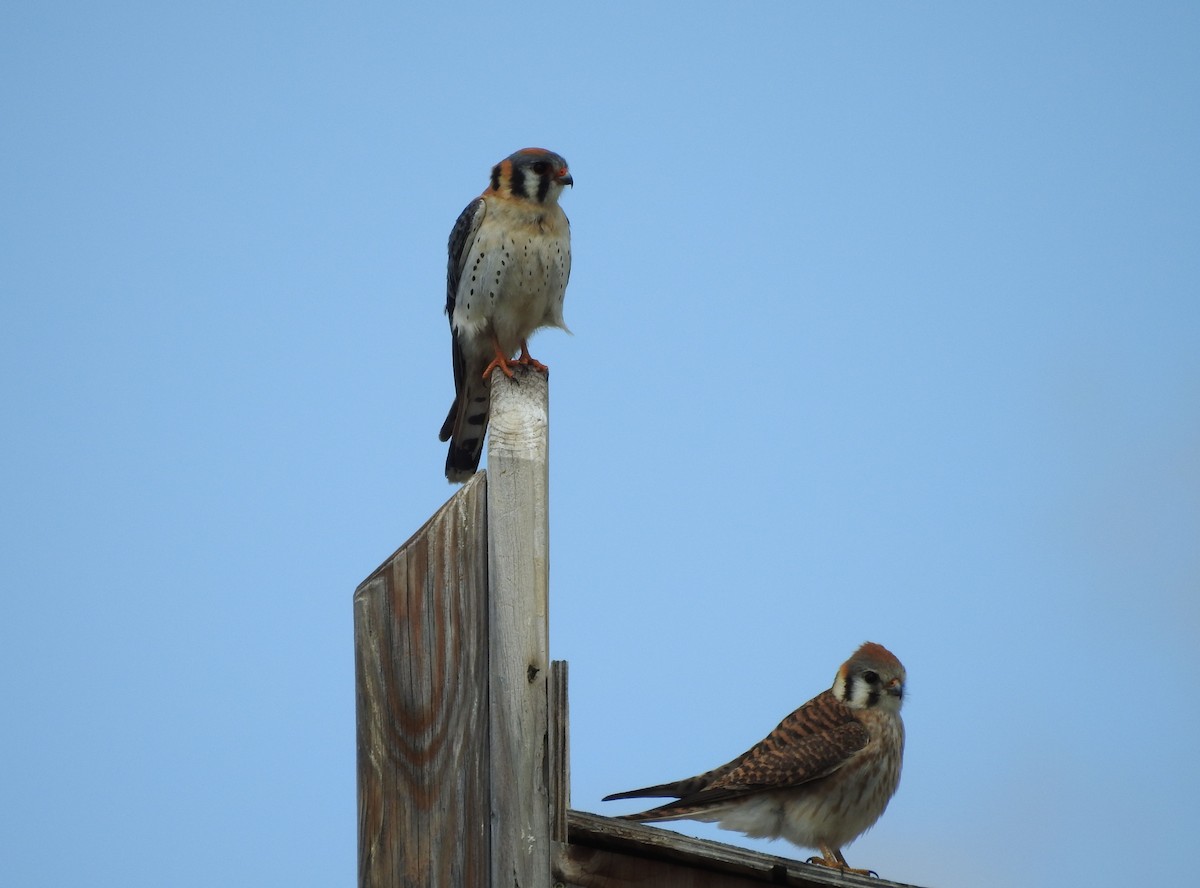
564,177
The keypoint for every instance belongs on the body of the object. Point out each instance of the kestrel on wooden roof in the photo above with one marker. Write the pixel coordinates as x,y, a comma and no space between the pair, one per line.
820,779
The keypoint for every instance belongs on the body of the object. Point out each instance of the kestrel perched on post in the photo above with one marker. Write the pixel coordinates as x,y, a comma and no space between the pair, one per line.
820,779
510,258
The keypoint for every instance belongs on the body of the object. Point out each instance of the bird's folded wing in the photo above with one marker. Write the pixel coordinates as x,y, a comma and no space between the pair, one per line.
779,765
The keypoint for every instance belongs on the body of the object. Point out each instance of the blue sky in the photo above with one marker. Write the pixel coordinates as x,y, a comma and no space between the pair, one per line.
885,327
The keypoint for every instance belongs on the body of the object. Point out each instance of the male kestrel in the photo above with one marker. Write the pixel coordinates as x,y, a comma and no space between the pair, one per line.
510,258
820,779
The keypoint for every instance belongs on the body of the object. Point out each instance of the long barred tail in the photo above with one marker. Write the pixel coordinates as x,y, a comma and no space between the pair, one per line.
465,427
675,790
680,810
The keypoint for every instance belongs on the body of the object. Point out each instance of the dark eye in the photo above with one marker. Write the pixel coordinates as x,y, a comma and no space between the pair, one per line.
541,167
871,677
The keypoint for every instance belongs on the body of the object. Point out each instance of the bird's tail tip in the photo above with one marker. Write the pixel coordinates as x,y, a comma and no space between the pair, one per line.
662,791
460,473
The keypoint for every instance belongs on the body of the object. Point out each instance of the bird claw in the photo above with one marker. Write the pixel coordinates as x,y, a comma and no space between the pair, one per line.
841,866
527,360
498,362
503,363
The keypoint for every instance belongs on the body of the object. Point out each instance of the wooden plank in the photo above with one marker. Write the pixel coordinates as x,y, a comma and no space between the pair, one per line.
560,751
421,658
581,867
605,852
518,577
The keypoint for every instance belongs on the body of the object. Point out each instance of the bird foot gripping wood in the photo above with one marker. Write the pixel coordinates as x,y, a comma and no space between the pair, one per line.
832,858
499,362
841,867
529,361
502,362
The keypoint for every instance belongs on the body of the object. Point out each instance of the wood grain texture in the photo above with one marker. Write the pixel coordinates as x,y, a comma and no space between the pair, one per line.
605,852
581,867
421,659
560,751
518,577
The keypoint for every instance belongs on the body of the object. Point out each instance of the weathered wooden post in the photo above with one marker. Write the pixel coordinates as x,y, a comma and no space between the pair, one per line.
452,670
421,661
519,634
463,761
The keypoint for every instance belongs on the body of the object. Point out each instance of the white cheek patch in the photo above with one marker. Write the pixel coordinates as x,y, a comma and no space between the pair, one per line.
856,692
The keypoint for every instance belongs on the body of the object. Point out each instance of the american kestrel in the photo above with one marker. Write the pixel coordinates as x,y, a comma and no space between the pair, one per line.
820,779
510,257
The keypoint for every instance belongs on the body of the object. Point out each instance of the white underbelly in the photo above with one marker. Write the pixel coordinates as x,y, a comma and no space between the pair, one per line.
511,287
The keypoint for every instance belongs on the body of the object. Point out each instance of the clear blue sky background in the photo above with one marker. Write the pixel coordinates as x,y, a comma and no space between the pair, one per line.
887,326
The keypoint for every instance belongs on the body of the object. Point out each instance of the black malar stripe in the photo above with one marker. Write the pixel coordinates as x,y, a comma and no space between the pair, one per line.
518,182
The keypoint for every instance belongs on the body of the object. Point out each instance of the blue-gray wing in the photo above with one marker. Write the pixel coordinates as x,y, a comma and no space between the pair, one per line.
464,454
461,237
